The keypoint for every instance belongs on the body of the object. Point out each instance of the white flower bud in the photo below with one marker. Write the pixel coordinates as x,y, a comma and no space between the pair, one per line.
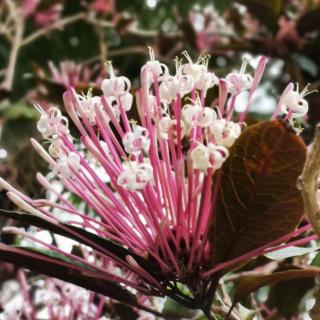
115,86
135,176
66,165
55,148
136,141
12,313
295,104
218,155
211,156
153,68
206,81
169,88
186,84
87,105
197,115
225,132
52,122
168,129
237,82
200,157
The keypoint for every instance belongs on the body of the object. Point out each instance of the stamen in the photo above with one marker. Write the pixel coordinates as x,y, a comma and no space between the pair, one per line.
244,65
151,53
110,69
39,108
187,56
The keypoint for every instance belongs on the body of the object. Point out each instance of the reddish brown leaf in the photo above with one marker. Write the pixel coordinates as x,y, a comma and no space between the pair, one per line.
258,200
251,284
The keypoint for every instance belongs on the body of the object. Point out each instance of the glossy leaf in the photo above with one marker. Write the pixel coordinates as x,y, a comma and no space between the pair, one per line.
49,265
82,236
258,201
251,284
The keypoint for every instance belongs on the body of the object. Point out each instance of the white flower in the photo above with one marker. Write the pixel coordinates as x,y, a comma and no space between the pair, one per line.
169,88
295,104
11,313
87,105
225,132
153,68
52,122
197,115
186,84
135,176
200,157
66,165
211,156
219,154
168,129
115,86
202,78
55,148
136,141
237,82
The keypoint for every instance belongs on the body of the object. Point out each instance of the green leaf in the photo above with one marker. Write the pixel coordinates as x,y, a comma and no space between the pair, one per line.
289,252
258,201
316,260
18,110
251,284
171,308
306,64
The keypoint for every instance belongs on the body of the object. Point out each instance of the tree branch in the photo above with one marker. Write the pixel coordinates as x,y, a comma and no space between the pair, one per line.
308,183
58,24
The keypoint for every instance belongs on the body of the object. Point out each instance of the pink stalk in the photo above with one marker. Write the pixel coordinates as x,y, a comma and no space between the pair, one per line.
223,95
203,213
231,108
256,80
29,311
124,117
255,252
277,111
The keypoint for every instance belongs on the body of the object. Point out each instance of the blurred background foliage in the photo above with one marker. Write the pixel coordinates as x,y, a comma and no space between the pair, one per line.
47,46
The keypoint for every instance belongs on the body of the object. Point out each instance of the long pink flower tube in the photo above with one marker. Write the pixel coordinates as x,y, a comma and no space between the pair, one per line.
149,180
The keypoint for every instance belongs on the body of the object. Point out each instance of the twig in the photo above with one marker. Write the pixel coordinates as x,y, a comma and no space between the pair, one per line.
16,42
308,183
58,24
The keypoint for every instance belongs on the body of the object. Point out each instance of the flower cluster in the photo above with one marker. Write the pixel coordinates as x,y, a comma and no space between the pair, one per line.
157,200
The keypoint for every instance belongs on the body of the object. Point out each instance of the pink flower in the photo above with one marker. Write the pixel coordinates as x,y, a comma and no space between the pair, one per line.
29,7
103,6
288,31
48,16
153,194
